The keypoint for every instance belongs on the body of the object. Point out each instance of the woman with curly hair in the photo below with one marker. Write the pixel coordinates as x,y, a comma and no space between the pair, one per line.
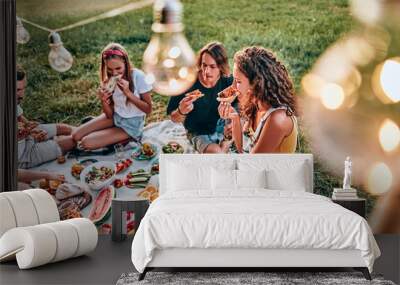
267,120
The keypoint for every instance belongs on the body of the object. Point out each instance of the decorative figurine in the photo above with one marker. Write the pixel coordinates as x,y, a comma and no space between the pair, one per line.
347,173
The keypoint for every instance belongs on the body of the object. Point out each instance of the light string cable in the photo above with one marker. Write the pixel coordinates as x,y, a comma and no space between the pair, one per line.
108,14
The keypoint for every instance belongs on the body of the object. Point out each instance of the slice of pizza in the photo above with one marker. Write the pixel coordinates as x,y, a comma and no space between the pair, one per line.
228,94
112,83
195,94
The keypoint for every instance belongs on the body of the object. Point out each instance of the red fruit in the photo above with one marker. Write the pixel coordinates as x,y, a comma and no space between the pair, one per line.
118,183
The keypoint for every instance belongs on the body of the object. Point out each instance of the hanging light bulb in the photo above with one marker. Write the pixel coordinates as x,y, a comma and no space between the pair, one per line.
59,58
22,34
169,61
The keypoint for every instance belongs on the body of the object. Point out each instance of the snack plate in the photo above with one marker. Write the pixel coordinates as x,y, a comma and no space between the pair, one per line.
180,148
138,155
100,184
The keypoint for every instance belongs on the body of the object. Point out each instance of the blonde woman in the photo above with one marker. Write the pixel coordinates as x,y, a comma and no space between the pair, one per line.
124,108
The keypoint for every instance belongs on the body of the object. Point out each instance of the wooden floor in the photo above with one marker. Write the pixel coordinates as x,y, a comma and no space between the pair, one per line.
110,259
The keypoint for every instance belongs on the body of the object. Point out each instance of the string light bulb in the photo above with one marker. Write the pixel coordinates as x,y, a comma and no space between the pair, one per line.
59,58
22,34
169,61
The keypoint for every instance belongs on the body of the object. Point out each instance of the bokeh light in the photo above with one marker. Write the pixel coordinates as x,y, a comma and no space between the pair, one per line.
380,178
389,135
352,102
332,96
386,81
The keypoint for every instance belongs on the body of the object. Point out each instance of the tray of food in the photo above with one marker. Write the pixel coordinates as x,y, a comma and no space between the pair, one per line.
77,167
146,152
99,174
137,179
173,147
123,164
71,199
150,193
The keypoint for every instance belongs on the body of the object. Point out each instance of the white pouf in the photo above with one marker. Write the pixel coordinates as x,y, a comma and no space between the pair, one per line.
23,208
87,235
46,208
40,244
7,218
32,246
32,233
66,237
26,208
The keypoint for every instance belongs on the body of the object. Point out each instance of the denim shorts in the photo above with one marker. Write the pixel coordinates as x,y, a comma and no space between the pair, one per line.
200,142
132,126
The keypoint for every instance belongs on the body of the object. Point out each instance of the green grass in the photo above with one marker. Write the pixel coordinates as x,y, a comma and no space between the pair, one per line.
297,30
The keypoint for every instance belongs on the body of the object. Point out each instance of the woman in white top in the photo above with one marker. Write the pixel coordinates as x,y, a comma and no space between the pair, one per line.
267,121
125,104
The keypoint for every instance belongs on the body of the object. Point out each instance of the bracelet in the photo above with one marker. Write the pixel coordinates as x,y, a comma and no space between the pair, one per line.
179,111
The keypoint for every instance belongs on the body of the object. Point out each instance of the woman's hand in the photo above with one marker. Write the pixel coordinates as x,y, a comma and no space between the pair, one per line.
124,86
226,111
104,95
186,105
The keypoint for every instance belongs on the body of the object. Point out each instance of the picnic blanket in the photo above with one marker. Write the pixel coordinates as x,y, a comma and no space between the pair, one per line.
158,134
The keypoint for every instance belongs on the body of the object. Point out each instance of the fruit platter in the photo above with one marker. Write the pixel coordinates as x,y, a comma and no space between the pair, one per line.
99,174
172,147
146,152
137,179
123,165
